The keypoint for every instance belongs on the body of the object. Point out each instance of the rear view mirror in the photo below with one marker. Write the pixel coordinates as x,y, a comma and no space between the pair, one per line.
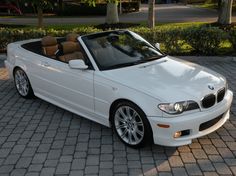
157,45
78,64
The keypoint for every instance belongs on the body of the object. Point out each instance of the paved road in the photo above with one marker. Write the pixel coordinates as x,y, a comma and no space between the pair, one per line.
38,138
164,13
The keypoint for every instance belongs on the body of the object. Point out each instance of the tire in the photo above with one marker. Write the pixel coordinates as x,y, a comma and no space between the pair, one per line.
22,84
131,125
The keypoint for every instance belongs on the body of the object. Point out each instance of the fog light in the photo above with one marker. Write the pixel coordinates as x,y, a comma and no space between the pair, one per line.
177,134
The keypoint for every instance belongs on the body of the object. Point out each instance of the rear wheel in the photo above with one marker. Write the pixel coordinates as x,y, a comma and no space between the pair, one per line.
131,125
22,84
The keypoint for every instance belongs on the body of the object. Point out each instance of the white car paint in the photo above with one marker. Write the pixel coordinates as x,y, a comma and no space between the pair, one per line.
90,93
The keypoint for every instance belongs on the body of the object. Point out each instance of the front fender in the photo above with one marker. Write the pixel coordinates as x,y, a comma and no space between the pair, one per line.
106,92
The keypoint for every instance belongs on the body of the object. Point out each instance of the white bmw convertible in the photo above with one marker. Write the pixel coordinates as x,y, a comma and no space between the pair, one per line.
120,80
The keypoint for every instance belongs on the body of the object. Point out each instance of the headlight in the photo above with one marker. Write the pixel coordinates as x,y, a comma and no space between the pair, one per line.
178,107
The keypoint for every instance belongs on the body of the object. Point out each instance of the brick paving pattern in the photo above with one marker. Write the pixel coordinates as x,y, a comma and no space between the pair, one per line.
38,138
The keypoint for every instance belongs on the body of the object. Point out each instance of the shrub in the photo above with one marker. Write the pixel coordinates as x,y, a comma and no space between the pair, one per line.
170,38
205,40
232,37
144,32
12,35
174,40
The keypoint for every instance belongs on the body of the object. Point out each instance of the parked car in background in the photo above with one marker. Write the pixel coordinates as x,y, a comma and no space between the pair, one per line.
9,9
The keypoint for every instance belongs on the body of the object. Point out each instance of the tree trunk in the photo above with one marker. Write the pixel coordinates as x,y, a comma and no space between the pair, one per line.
225,12
18,6
112,13
120,7
61,7
151,13
218,5
185,2
40,17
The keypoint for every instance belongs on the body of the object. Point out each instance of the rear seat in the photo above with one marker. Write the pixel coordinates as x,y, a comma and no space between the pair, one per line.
73,37
49,46
70,51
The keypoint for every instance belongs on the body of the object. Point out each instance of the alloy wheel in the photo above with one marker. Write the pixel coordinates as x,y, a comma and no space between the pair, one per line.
129,125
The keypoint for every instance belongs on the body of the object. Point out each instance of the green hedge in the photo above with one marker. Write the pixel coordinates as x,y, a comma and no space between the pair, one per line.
11,35
198,40
232,38
204,40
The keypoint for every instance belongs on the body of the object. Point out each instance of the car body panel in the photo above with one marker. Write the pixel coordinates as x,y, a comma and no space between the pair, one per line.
170,77
190,122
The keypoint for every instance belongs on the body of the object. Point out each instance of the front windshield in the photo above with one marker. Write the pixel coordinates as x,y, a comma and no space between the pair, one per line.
118,49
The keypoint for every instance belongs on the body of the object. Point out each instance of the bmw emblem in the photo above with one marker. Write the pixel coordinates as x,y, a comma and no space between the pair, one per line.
211,87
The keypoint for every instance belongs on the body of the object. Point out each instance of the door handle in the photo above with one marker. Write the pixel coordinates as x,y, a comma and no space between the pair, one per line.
45,64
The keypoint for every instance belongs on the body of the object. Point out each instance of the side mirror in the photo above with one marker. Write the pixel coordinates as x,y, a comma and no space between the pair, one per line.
157,45
78,64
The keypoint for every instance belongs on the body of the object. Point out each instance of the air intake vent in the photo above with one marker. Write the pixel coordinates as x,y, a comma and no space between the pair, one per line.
208,101
210,123
220,95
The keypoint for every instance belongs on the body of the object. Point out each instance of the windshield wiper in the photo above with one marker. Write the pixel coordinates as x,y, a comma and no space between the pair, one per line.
134,63
120,65
155,57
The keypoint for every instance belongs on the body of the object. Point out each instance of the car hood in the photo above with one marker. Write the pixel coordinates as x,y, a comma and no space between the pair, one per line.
169,79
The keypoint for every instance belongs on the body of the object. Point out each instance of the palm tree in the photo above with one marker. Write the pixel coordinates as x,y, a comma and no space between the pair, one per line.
112,12
40,5
225,12
151,13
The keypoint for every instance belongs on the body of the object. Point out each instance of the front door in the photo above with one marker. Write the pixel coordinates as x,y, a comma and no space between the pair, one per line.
71,88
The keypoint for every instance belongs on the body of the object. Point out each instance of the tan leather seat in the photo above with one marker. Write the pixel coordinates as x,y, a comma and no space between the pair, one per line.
73,37
49,46
70,52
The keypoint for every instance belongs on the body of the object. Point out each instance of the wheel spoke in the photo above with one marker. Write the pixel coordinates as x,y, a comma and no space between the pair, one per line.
139,132
121,126
134,115
138,123
135,136
130,137
120,119
23,90
121,112
127,109
124,133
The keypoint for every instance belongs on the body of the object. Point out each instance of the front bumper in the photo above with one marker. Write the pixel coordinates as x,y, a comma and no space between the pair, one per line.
191,122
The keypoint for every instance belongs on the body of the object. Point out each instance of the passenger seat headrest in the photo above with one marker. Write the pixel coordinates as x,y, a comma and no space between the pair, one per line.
49,41
73,37
69,47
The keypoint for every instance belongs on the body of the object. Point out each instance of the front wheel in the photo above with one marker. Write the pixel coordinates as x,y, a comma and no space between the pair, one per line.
22,84
131,125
